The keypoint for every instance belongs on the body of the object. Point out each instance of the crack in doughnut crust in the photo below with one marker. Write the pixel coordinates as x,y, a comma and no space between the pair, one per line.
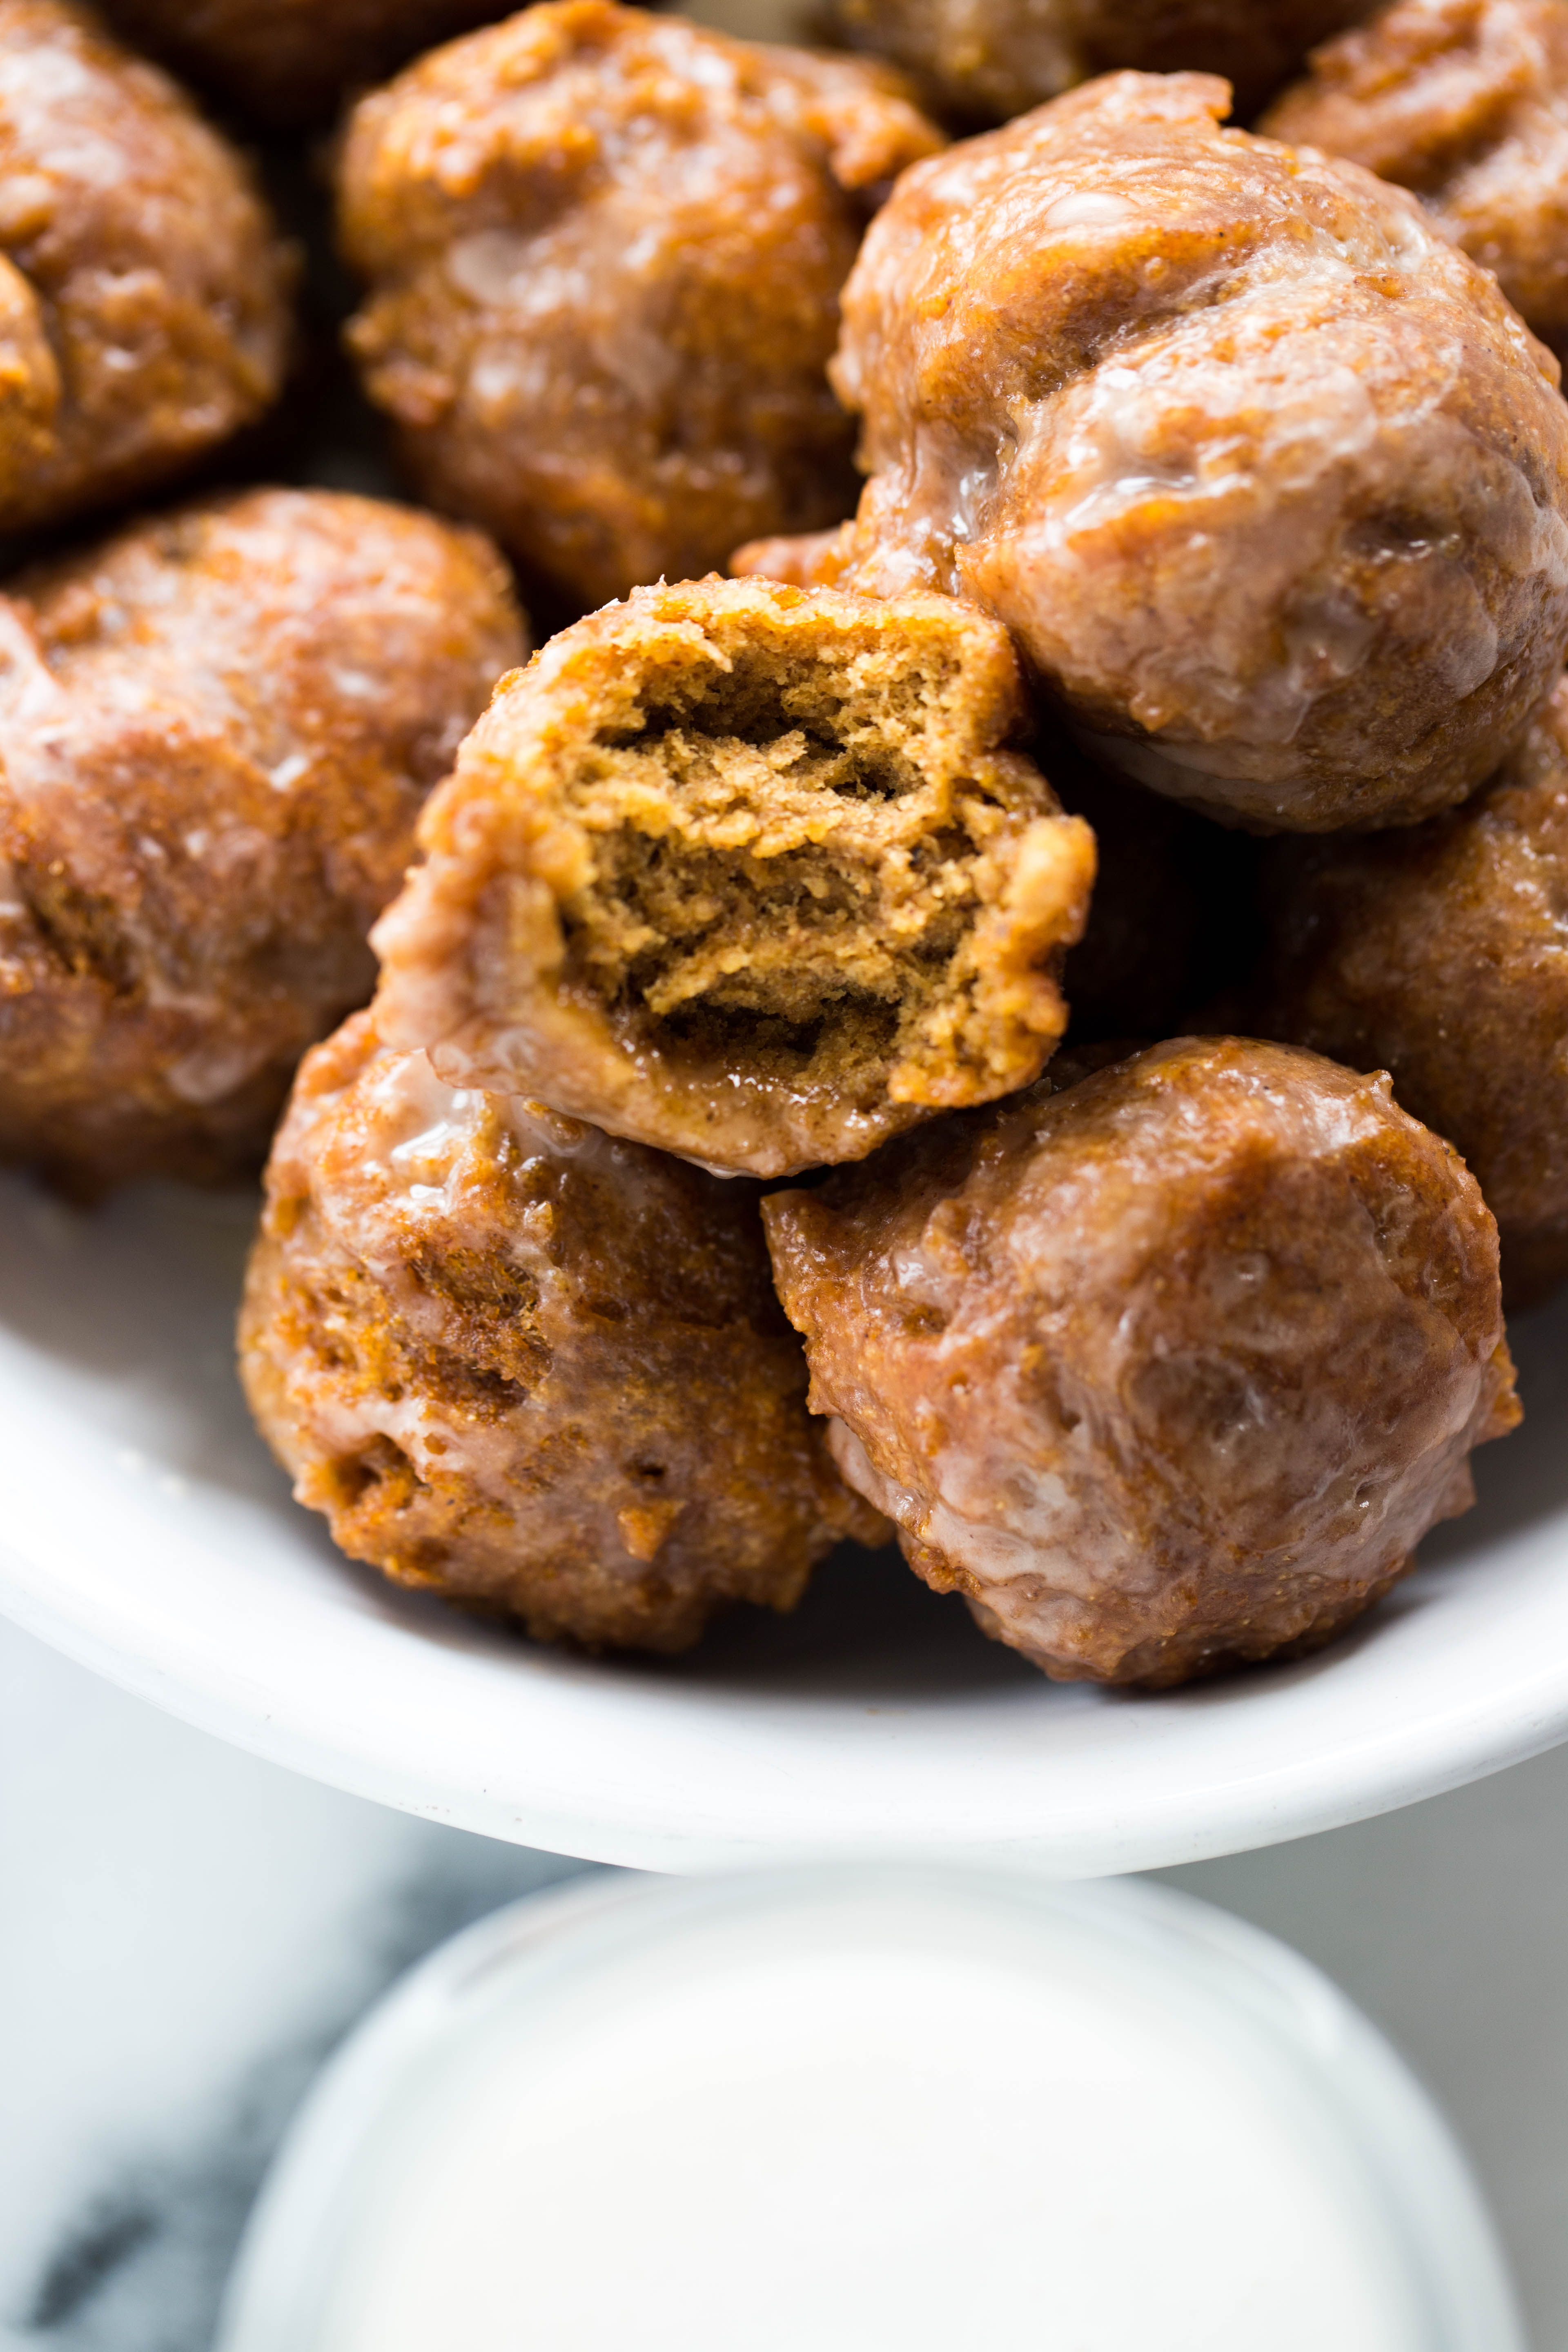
987,61
527,1367
1164,1373
741,870
1440,954
215,732
143,292
1265,477
287,62
605,251
1465,101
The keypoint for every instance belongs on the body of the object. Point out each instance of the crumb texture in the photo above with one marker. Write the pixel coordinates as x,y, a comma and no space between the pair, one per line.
747,873
527,1367
1166,1372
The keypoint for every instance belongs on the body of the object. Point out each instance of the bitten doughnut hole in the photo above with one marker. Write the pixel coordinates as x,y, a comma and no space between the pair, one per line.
748,878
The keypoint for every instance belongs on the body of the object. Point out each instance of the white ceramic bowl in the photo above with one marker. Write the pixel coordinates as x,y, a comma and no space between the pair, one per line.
147,1532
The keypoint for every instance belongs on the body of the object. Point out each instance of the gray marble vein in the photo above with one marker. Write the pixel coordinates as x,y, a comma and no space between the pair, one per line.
185,1933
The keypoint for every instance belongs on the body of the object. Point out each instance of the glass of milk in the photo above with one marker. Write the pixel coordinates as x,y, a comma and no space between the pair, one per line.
847,2109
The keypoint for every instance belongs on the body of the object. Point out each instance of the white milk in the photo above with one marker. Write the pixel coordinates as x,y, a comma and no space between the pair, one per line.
845,2114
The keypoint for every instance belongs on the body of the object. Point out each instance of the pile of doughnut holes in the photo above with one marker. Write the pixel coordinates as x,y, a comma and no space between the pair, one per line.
849,760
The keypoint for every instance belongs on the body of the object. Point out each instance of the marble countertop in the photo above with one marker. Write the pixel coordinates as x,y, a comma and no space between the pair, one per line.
186,1932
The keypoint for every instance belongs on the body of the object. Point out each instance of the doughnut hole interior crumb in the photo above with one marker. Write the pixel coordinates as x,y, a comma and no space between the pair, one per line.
741,870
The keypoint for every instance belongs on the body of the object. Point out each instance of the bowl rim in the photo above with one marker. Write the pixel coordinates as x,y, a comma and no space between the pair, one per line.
176,1565
721,1827
1358,2103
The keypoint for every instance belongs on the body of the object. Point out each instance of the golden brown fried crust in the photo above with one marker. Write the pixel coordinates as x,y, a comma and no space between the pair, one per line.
605,251
1267,479
143,312
1164,1373
289,62
985,60
1465,102
527,1367
743,871
215,732
1438,954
